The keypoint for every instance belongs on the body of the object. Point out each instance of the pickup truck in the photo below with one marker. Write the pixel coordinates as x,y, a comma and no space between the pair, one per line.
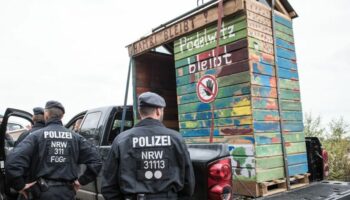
212,163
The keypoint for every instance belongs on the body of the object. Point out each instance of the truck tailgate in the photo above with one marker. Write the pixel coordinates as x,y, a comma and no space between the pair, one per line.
322,190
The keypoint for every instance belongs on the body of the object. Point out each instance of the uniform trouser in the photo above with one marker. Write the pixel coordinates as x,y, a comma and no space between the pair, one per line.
62,192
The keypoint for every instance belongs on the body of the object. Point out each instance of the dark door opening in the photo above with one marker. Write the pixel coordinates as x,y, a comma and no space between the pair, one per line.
155,72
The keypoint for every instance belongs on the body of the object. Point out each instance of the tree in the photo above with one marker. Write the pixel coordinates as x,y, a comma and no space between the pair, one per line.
313,127
338,129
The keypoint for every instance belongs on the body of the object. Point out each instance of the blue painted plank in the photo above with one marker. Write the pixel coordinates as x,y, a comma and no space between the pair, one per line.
285,44
260,91
197,132
297,169
297,159
266,127
285,53
289,94
292,115
287,64
284,21
293,127
262,68
288,74
234,130
263,80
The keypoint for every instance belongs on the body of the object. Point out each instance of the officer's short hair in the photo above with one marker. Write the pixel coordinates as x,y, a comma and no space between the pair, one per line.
55,113
146,111
38,118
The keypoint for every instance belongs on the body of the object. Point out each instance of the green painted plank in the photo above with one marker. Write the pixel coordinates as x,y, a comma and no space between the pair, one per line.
292,115
268,150
289,94
218,104
269,174
238,121
294,137
265,115
260,91
284,29
211,29
266,126
267,138
222,113
237,36
206,37
264,103
290,105
222,93
289,84
269,162
284,36
293,148
234,79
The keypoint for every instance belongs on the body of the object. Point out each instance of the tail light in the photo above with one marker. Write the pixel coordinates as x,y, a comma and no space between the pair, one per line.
325,163
220,180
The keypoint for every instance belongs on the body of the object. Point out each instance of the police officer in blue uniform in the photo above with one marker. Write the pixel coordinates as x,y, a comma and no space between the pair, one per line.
39,122
148,161
53,155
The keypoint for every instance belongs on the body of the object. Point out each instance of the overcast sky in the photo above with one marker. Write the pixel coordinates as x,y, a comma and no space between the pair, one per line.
74,51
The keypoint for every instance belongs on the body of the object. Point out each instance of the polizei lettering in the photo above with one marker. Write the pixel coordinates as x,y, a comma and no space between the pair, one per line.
57,135
151,141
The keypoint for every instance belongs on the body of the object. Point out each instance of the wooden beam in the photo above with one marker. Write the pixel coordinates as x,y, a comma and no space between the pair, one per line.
183,27
281,8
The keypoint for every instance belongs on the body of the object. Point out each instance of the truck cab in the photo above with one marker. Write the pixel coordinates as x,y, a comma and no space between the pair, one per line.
211,162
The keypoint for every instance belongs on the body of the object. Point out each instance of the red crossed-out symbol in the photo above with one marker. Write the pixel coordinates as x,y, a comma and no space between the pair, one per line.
207,89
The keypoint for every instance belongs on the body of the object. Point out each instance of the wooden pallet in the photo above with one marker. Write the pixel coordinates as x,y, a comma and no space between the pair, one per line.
299,180
272,187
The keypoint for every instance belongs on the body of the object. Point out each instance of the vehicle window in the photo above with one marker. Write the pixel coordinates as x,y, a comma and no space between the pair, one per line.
116,129
13,127
89,127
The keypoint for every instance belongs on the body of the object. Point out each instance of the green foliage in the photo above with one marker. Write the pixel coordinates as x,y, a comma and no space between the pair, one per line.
338,129
339,163
336,143
312,126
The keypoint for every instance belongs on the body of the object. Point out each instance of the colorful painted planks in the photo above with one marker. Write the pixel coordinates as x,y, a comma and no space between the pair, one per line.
260,91
232,29
218,104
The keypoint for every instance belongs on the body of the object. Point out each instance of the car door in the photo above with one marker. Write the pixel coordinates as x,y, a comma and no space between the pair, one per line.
10,112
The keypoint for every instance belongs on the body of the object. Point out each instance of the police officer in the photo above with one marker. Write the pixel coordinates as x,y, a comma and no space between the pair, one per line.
148,161
55,153
38,120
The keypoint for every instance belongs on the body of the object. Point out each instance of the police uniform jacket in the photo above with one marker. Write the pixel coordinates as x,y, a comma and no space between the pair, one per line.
148,159
36,126
57,153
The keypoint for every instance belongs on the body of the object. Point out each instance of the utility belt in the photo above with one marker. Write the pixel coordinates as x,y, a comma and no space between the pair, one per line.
43,185
145,196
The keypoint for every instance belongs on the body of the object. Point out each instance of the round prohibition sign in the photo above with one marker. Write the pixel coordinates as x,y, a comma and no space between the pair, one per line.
207,89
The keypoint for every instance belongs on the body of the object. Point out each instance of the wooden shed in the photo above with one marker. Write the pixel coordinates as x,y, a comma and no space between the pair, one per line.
228,73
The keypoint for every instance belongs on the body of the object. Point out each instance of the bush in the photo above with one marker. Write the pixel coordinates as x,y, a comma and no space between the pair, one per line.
336,143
